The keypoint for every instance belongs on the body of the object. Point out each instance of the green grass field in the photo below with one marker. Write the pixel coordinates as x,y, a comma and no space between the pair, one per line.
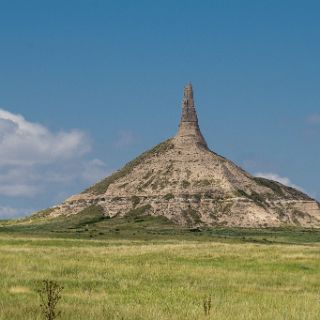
146,268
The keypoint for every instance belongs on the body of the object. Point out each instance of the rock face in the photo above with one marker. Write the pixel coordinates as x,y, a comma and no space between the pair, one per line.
184,181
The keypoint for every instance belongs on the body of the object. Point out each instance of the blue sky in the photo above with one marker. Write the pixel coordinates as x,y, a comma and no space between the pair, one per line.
87,85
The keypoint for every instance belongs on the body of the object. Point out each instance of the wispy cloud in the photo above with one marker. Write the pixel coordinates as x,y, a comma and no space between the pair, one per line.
274,176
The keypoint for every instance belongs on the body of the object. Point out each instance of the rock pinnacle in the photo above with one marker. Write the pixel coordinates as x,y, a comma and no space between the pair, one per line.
189,131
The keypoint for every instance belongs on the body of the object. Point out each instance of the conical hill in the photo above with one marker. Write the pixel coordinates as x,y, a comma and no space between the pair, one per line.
182,180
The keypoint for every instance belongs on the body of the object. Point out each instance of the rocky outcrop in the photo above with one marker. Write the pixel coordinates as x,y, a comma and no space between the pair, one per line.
184,181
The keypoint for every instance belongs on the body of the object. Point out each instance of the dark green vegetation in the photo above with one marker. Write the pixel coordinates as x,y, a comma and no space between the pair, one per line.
102,186
280,190
168,196
255,197
92,224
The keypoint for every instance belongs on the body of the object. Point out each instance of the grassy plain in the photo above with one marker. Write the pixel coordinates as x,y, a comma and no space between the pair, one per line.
145,268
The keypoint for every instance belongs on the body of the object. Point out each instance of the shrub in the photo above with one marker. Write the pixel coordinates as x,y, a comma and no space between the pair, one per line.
50,295
168,196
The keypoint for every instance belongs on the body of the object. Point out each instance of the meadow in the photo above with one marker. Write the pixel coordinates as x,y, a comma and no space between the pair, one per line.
146,269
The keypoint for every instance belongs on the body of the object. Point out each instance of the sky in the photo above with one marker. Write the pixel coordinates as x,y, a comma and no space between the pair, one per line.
85,86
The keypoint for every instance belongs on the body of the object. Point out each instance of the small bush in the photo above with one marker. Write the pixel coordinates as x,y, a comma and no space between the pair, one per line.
168,196
50,295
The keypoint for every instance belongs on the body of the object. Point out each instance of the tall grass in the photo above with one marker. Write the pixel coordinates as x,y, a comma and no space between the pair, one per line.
160,279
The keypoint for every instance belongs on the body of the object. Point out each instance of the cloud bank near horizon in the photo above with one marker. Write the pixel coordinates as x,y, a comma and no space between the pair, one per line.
35,161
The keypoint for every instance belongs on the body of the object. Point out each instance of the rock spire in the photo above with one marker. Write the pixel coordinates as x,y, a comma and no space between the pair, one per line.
189,131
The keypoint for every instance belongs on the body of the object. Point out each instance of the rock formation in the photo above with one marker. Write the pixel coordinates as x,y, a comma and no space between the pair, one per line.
184,181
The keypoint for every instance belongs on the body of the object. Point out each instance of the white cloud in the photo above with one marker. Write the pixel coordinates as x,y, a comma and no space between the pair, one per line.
27,143
274,176
35,160
314,119
39,167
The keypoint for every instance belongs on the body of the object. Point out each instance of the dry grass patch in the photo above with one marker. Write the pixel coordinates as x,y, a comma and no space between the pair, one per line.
19,289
